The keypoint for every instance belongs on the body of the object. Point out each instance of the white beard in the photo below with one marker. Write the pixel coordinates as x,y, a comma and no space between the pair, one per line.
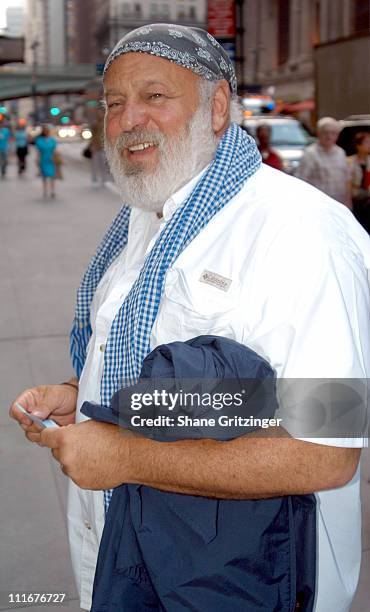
180,159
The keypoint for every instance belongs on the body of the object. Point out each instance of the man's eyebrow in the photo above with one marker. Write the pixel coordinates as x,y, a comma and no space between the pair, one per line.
112,92
155,82
144,83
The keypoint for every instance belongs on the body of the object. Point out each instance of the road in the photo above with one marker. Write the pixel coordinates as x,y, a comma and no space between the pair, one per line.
44,248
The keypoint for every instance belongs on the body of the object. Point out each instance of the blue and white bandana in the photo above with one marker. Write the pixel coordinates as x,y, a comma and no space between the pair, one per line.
192,48
237,158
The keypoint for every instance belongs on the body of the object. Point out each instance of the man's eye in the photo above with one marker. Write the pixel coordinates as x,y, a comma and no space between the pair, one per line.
155,96
113,104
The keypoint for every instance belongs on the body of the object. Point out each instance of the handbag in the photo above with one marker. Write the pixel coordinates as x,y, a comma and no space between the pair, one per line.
58,161
87,152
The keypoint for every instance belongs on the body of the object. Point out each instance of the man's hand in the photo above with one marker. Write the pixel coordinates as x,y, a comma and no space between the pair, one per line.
94,455
46,401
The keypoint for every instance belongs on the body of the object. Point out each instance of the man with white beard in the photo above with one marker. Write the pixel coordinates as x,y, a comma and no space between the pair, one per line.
209,241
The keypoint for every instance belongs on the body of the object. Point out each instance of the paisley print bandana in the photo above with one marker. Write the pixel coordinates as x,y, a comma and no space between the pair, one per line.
192,48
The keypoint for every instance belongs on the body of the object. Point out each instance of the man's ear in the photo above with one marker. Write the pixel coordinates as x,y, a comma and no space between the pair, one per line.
221,108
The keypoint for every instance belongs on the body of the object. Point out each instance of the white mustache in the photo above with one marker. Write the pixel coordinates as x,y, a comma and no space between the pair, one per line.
131,139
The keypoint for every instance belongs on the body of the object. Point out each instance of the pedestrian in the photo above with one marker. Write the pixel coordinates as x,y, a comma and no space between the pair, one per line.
209,242
5,135
269,155
46,146
359,165
21,143
324,165
96,147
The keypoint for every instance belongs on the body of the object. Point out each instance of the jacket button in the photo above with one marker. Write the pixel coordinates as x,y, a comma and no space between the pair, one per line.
102,348
87,525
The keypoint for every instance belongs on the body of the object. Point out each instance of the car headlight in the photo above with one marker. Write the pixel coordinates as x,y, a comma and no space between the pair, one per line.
86,134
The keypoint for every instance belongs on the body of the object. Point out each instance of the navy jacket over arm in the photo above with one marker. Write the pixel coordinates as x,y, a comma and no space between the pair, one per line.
174,552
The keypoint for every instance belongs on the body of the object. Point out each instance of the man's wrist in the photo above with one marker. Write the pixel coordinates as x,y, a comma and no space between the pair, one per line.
71,383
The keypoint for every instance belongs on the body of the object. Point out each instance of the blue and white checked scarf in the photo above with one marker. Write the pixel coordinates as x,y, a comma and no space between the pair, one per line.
236,159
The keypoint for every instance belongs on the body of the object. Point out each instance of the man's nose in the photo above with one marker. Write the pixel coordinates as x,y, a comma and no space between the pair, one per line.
133,115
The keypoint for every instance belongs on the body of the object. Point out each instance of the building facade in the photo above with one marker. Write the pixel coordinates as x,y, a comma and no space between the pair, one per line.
61,32
45,33
117,17
280,36
85,22
14,21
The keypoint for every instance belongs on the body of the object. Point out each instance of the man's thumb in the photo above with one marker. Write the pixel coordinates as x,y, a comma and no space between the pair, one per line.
42,411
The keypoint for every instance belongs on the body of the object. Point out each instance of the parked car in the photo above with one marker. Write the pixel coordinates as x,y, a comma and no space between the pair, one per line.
68,132
256,105
350,127
288,137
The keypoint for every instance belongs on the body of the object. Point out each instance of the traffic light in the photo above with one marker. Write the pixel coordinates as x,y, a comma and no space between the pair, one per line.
65,120
55,111
3,110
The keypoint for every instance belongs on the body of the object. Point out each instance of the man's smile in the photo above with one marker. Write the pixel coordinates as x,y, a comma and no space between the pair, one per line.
141,150
140,147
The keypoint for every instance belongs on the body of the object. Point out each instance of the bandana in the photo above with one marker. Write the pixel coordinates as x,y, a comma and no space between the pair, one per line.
189,47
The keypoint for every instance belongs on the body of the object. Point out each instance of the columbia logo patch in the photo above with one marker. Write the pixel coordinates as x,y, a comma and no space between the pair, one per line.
216,280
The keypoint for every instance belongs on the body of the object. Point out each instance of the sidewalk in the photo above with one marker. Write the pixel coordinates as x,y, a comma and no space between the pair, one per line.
44,248
361,602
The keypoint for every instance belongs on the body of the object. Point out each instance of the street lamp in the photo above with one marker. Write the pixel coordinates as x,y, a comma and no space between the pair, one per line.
34,46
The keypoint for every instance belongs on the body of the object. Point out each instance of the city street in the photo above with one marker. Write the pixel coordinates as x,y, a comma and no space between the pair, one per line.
44,248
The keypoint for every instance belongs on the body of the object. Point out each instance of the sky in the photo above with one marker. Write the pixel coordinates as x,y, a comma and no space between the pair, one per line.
4,4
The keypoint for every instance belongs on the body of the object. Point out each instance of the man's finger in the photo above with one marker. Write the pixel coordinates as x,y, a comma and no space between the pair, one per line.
33,428
50,437
43,410
56,454
33,437
19,416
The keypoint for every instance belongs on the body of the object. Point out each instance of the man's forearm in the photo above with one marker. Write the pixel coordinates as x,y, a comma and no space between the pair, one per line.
245,468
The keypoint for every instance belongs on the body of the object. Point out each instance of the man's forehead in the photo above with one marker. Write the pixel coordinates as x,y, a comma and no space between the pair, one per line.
145,70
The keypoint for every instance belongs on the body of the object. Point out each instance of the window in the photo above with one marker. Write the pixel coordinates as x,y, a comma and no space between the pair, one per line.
181,13
283,30
361,16
126,9
165,10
